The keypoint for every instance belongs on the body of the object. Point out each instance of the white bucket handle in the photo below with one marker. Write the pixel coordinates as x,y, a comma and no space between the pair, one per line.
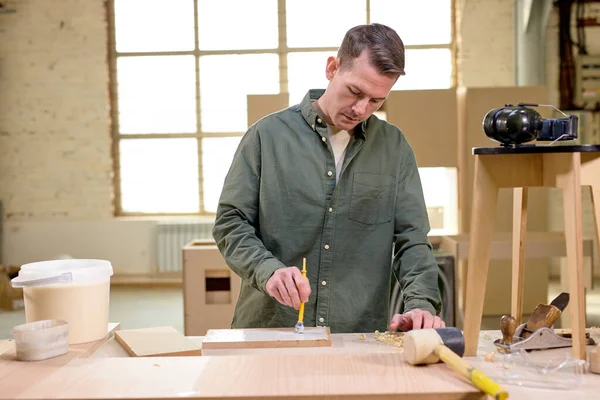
65,277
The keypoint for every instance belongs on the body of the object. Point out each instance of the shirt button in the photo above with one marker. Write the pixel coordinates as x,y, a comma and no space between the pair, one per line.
323,139
313,127
319,120
321,319
326,247
329,173
330,209
323,283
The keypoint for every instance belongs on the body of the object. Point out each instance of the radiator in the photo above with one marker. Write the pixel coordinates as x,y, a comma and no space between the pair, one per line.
171,236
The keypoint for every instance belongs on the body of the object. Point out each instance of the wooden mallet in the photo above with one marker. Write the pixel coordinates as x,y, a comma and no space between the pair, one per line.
429,346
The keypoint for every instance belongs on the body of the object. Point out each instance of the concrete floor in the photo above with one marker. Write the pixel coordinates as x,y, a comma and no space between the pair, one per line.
140,307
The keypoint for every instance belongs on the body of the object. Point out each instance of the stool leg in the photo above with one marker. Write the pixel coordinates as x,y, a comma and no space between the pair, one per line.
570,182
483,215
518,251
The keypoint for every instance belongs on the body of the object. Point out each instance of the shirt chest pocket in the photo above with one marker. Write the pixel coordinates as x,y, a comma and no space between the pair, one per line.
371,198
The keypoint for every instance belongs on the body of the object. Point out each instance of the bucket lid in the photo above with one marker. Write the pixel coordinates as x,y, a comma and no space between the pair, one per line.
61,271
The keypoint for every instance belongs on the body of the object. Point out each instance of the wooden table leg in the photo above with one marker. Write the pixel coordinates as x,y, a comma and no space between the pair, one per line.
590,176
568,168
483,214
595,188
518,253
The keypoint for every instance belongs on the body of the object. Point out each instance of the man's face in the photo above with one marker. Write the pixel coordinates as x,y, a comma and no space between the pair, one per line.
354,93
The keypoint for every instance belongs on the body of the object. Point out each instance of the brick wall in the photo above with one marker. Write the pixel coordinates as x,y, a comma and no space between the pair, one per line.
55,159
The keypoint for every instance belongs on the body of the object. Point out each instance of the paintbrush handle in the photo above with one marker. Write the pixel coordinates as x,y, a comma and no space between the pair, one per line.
301,313
478,378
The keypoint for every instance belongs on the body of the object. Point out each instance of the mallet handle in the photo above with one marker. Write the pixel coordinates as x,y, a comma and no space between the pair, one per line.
478,378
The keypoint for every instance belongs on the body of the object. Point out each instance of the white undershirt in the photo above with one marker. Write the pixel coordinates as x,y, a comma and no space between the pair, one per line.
339,142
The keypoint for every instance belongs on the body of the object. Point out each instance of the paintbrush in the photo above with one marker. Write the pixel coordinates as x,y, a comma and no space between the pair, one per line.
300,323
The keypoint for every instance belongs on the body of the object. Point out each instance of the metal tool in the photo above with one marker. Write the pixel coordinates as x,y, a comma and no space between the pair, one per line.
538,332
541,339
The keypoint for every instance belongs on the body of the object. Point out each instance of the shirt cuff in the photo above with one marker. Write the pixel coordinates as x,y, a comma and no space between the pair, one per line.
420,304
264,271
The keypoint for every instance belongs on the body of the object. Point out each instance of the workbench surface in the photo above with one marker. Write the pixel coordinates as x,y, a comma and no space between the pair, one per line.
352,368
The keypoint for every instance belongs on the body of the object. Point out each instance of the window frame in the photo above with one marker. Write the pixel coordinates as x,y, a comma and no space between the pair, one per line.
282,51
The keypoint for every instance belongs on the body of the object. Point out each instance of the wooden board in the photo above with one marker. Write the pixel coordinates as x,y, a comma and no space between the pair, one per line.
266,337
159,341
318,376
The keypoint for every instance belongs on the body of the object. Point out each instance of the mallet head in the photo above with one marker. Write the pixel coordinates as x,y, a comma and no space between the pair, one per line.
420,344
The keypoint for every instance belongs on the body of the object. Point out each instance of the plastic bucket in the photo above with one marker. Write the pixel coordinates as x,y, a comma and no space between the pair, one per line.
76,291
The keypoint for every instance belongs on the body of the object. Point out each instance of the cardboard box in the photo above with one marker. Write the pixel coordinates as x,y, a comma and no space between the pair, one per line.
210,288
10,298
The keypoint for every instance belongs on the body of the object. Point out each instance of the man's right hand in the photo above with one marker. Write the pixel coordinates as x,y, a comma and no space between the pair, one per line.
289,287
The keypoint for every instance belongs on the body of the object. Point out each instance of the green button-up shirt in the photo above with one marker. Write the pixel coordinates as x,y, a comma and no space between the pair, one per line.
280,203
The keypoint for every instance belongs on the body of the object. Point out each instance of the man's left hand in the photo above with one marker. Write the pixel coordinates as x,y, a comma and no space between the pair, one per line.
416,319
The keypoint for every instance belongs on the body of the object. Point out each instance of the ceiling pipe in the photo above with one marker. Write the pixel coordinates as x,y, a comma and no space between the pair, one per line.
531,20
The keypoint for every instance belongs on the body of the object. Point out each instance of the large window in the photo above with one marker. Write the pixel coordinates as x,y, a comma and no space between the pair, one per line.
181,71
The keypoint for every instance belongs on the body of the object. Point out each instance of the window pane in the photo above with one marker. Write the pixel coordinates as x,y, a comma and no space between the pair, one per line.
426,69
156,94
152,25
441,199
306,71
337,15
217,154
225,82
415,21
237,24
159,175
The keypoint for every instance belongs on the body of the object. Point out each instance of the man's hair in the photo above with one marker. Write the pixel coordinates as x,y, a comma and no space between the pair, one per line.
386,50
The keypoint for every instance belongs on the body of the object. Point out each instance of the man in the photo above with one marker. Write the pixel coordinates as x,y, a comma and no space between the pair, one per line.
328,181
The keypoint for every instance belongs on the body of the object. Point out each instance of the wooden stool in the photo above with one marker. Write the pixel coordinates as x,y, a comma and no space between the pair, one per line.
565,167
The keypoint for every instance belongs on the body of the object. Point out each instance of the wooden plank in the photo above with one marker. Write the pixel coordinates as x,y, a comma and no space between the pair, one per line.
266,337
537,245
158,341
433,145
319,376
261,105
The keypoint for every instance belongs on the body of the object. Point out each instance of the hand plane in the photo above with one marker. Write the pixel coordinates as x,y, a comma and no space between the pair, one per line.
538,332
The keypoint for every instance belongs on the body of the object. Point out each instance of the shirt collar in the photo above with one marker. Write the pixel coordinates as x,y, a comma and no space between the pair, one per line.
311,116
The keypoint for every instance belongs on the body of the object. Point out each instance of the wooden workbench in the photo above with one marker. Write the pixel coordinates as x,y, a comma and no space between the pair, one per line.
351,368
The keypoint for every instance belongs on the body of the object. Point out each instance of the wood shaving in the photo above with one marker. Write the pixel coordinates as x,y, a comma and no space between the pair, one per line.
490,357
362,336
487,336
395,338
